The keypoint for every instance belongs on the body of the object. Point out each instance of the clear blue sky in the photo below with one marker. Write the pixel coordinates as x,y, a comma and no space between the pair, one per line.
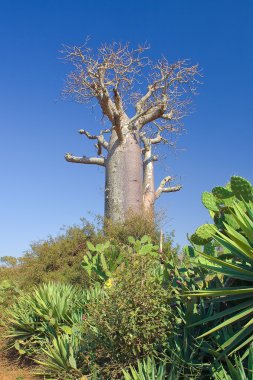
39,191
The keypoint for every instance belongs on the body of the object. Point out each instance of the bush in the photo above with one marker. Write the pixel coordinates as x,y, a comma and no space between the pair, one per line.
59,258
132,320
9,291
135,225
56,259
127,309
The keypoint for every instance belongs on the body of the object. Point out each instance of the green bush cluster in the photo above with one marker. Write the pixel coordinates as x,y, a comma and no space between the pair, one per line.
123,309
133,319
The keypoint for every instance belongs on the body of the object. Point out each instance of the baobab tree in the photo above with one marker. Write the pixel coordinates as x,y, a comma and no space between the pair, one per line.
144,104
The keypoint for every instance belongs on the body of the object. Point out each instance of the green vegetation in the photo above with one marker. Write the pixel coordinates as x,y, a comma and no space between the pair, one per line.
87,305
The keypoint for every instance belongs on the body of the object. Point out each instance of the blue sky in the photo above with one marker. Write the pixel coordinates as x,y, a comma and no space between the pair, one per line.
39,191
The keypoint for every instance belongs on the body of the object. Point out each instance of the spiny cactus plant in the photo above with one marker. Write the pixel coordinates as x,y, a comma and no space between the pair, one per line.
220,203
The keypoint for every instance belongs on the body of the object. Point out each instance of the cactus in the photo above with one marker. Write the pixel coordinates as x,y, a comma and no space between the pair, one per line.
218,220
189,251
230,220
221,192
241,188
210,201
209,249
203,234
220,203
195,239
229,201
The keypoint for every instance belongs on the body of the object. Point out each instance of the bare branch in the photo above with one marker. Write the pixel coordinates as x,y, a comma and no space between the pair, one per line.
162,189
100,138
110,76
157,139
147,142
87,134
104,75
85,160
166,96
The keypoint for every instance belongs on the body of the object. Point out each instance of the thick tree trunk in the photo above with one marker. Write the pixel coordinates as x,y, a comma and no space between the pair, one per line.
124,176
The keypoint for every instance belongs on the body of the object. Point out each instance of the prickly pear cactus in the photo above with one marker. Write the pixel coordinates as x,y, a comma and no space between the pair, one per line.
241,188
209,201
203,234
221,192
209,249
220,203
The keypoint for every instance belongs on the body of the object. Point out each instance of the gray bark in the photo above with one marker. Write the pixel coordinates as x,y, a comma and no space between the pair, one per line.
123,185
148,182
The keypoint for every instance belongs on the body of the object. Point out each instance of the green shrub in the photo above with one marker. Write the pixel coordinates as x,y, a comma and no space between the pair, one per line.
101,261
9,291
135,225
125,301
58,259
132,320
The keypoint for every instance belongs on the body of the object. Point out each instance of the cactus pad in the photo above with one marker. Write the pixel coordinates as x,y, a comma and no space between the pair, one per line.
209,249
203,234
221,192
226,210
241,188
218,219
195,239
209,201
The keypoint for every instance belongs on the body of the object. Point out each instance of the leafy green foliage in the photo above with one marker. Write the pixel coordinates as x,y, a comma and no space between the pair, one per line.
134,225
101,261
143,246
51,309
62,357
58,259
146,370
240,370
220,203
9,261
8,292
187,355
237,264
132,319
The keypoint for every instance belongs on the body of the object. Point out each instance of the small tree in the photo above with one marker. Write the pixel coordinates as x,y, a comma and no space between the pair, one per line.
112,77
